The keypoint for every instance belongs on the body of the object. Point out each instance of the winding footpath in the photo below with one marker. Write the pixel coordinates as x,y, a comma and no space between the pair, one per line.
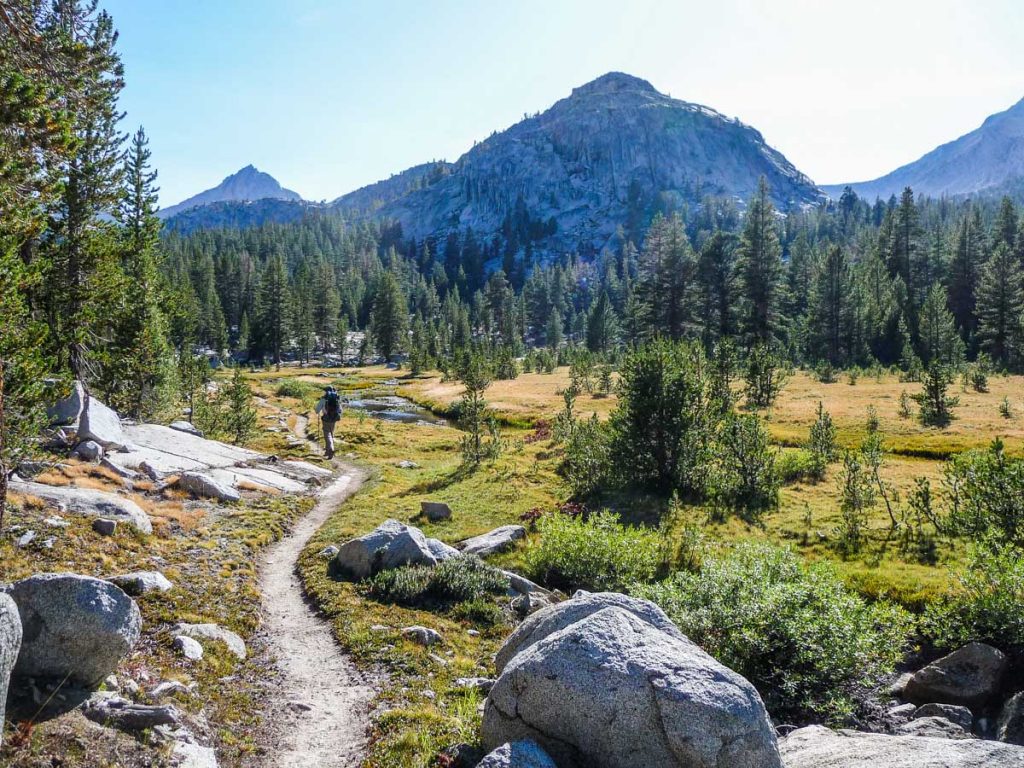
323,712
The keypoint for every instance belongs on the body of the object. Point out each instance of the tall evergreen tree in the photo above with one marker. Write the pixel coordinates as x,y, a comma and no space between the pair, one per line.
716,288
665,282
964,272
831,316
760,270
1001,308
390,318
940,341
275,308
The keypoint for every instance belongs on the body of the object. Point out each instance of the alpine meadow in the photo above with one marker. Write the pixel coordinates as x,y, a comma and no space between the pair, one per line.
615,441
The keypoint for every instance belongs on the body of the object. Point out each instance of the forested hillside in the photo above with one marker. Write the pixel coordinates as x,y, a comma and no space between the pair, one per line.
906,281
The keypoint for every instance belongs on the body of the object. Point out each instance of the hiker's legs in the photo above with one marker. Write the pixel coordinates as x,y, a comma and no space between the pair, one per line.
329,436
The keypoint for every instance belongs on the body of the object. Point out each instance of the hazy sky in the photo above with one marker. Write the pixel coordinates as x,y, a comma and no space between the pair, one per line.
328,96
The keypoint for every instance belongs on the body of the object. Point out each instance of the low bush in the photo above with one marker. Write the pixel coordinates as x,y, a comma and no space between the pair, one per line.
804,640
794,465
987,606
597,553
479,611
297,389
456,580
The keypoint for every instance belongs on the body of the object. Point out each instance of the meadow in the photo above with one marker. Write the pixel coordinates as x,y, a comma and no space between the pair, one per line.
422,709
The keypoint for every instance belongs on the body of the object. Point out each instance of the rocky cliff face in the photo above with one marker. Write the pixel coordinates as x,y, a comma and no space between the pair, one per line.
613,147
247,185
988,160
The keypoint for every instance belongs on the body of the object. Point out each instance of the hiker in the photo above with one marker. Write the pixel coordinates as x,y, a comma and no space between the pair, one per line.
328,408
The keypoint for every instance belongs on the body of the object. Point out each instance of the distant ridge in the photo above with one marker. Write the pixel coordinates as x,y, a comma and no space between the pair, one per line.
988,160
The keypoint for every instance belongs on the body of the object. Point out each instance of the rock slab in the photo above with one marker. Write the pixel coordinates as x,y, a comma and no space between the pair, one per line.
73,626
612,690
498,540
216,632
83,501
820,747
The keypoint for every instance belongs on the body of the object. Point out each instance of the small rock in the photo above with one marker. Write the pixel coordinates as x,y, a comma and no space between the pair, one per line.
184,426
168,688
188,755
435,511
934,728
390,545
112,683
955,714
188,647
482,684
406,464
1011,721
56,522
207,487
329,551
124,715
473,632
88,450
104,527
123,472
234,643
299,706
379,628
421,635
899,685
25,539
903,711
518,754
141,582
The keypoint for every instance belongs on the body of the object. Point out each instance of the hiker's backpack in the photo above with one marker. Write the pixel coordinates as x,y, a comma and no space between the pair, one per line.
332,406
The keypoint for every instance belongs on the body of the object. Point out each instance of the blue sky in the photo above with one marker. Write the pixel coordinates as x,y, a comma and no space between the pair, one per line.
328,96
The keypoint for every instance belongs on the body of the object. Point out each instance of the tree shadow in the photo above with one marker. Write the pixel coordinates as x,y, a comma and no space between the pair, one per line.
431,485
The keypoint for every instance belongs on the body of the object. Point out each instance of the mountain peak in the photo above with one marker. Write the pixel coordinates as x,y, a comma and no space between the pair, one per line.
615,82
246,184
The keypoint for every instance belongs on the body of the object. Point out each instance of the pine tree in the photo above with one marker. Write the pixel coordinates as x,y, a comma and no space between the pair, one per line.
964,272
716,288
390,317
275,308
665,280
138,377
78,247
1001,308
905,246
760,270
602,325
939,339
830,309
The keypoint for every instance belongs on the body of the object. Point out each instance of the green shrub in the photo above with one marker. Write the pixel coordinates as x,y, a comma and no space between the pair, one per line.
796,632
988,605
822,443
744,478
479,611
585,464
598,554
987,495
455,580
299,390
794,465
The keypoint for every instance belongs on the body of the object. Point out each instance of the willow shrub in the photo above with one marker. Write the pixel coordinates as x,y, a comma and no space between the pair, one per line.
598,554
806,642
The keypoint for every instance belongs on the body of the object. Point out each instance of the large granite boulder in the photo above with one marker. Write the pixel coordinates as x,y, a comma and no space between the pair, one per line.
390,545
518,754
10,644
101,425
68,409
612,691
971,676
497,540
73,626
820,747
557,617
83,501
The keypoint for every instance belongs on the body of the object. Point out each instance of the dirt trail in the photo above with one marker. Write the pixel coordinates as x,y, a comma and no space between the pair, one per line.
322,713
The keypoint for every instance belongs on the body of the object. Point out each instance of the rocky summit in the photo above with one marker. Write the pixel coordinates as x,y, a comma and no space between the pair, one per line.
248,184
611,152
